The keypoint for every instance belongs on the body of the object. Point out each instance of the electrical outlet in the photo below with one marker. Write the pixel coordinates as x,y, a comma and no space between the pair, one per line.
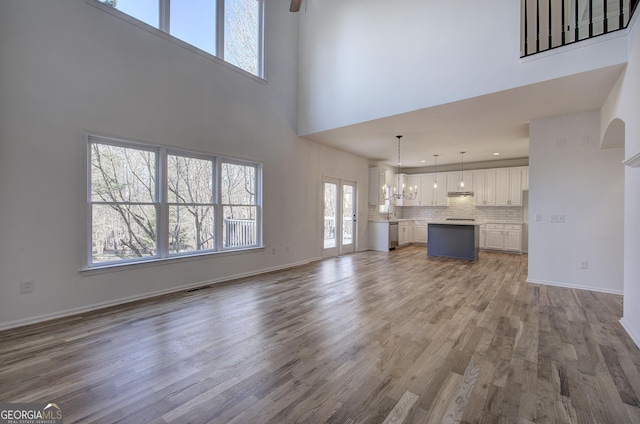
26,286
273,250
583,264
557,219
287,249
538,217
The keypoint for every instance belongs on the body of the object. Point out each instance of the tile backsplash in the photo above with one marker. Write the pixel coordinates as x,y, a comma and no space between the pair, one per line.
459,207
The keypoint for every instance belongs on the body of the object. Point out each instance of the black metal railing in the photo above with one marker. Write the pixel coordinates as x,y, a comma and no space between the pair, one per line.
548,24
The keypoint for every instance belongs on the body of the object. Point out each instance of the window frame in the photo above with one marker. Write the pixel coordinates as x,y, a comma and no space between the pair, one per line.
162,203
164,26
257,201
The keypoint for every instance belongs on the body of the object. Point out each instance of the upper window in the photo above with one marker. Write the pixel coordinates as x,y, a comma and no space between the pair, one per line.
148,202
229,29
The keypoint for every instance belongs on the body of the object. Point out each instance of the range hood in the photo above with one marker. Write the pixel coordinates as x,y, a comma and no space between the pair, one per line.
460,194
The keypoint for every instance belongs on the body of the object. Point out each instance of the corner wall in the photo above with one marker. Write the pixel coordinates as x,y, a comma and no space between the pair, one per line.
570,176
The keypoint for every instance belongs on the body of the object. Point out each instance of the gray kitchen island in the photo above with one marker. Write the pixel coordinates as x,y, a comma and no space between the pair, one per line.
458,239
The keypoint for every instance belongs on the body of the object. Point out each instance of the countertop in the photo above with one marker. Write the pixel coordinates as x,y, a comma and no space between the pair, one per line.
440,221
393,220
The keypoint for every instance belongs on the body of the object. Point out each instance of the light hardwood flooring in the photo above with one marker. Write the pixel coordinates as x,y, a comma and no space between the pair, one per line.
364,338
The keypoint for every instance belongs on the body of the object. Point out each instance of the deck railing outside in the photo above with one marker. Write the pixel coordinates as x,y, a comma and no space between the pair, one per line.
240,232
330,231
547,24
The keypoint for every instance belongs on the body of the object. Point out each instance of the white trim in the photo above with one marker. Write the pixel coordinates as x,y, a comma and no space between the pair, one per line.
96,306
633,161
627,328
574,286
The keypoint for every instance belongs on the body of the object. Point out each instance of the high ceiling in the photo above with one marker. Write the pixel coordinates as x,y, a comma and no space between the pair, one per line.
481,126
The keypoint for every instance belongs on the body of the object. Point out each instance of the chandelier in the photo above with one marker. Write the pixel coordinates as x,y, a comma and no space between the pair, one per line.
395,193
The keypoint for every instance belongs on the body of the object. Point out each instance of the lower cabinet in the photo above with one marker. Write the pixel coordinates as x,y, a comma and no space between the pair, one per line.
513,238
420,232
404,233
505,237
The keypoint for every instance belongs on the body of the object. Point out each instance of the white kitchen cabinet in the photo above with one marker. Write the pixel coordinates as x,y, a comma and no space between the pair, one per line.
525,178
454,178
420,232
494,234
411,185
396,187
430,196
484,187
483,238
377,179
379,235
504,237
413,181
513,238
509,187
404,233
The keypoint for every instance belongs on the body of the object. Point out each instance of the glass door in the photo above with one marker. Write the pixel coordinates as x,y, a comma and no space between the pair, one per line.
339,225
348,217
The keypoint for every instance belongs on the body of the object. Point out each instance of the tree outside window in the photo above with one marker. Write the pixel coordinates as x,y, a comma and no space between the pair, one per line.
201,204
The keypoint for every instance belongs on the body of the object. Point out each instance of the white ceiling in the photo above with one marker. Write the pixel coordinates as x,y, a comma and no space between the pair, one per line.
480,126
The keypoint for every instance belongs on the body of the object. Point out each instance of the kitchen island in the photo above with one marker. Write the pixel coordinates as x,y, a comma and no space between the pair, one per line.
454,239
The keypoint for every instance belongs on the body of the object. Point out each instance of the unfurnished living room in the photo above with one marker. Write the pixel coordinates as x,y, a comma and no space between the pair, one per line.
280,211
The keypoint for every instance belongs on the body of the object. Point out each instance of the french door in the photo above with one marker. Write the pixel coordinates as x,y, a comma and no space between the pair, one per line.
339,226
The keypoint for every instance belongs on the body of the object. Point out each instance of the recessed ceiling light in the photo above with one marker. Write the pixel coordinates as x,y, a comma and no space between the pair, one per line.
423,161
496,154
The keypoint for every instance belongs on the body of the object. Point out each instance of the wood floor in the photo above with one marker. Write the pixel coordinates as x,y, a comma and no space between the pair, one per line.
365,338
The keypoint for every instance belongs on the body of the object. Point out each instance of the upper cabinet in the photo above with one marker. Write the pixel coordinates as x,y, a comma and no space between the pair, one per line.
509,187
455,178
377,179
413,184
484,187
433,196
491,187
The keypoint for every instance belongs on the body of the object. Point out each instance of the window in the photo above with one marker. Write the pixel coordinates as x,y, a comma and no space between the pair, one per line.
148,202
229,29
191,204
239,207
242,34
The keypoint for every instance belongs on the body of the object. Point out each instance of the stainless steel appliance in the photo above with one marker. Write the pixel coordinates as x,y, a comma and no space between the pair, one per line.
393,235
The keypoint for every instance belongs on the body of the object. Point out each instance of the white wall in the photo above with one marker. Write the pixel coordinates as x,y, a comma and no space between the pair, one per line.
624,103
366,59
570,175
69,67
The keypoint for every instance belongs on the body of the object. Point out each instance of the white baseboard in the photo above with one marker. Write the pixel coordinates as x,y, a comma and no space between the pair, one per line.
84,309
574,286
630,332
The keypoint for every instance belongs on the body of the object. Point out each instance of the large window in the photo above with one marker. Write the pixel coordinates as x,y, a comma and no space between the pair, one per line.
229,29
150,203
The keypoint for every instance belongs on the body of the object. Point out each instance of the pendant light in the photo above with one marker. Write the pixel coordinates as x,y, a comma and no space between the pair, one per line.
462,174
397,194
435,171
